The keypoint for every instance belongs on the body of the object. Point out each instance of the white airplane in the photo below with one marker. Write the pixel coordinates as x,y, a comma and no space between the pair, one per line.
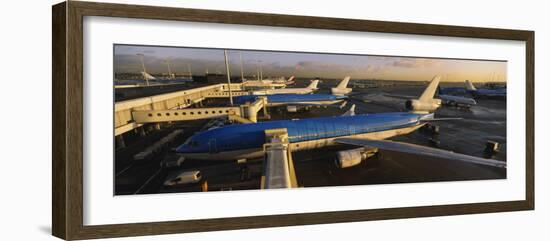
147,76
307,90
265,83
282,80
341,88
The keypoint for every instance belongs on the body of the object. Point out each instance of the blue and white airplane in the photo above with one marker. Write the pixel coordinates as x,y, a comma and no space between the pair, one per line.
245,141
470,90
296,101
486,93
454,100
447,99
292,99
452,91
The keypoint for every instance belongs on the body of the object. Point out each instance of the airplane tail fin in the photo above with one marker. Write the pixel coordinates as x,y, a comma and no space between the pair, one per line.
469,85
313,84
350,112
341,88
147,76
426,103
429,92
344,83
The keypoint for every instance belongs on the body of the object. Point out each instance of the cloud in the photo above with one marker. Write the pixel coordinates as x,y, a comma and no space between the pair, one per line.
375,69
318,65
414,63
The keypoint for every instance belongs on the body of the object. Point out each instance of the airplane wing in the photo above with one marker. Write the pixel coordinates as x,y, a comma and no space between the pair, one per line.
338,105
441,119
420,150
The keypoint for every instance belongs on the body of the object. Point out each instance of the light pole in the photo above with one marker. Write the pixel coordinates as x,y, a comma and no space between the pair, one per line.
170,76
242,72
189,71
228,76
261,71
258,70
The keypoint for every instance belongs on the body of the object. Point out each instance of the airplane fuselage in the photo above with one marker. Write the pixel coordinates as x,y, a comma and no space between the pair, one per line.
246,141
293,99
284,91
488,93
470,90
457,100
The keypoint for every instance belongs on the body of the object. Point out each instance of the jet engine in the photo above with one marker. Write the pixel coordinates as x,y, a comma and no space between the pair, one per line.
354,157
423,105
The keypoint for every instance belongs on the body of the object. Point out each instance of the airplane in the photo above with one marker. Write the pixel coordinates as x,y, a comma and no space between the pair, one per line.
171,80
454,100
293,101
147,76
447,99
365,131
289,81
307,90
486,93
452,91
268,83
341,88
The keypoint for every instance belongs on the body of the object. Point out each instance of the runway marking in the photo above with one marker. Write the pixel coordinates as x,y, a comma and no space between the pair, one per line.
148,180
124,170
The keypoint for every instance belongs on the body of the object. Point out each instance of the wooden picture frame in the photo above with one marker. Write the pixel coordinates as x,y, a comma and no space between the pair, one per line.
67,76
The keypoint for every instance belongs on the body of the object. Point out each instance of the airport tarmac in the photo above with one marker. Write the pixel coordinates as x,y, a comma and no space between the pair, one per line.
479,124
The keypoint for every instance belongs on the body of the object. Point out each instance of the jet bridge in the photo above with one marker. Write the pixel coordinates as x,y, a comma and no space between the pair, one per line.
244,113
278,164
163,103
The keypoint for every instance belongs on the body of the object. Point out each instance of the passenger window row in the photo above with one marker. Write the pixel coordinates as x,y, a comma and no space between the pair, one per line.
176,113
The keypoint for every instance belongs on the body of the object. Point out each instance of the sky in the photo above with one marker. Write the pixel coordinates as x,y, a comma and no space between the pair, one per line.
303,65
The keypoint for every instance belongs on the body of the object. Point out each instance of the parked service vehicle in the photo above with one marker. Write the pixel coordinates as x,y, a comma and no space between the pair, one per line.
187,177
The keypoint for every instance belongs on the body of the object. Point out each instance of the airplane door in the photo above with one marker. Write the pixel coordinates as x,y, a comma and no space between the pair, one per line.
212,145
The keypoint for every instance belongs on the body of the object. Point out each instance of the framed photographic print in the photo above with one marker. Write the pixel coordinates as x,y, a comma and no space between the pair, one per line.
171,120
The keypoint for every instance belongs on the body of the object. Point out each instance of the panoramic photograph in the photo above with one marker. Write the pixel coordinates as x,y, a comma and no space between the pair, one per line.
190,119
